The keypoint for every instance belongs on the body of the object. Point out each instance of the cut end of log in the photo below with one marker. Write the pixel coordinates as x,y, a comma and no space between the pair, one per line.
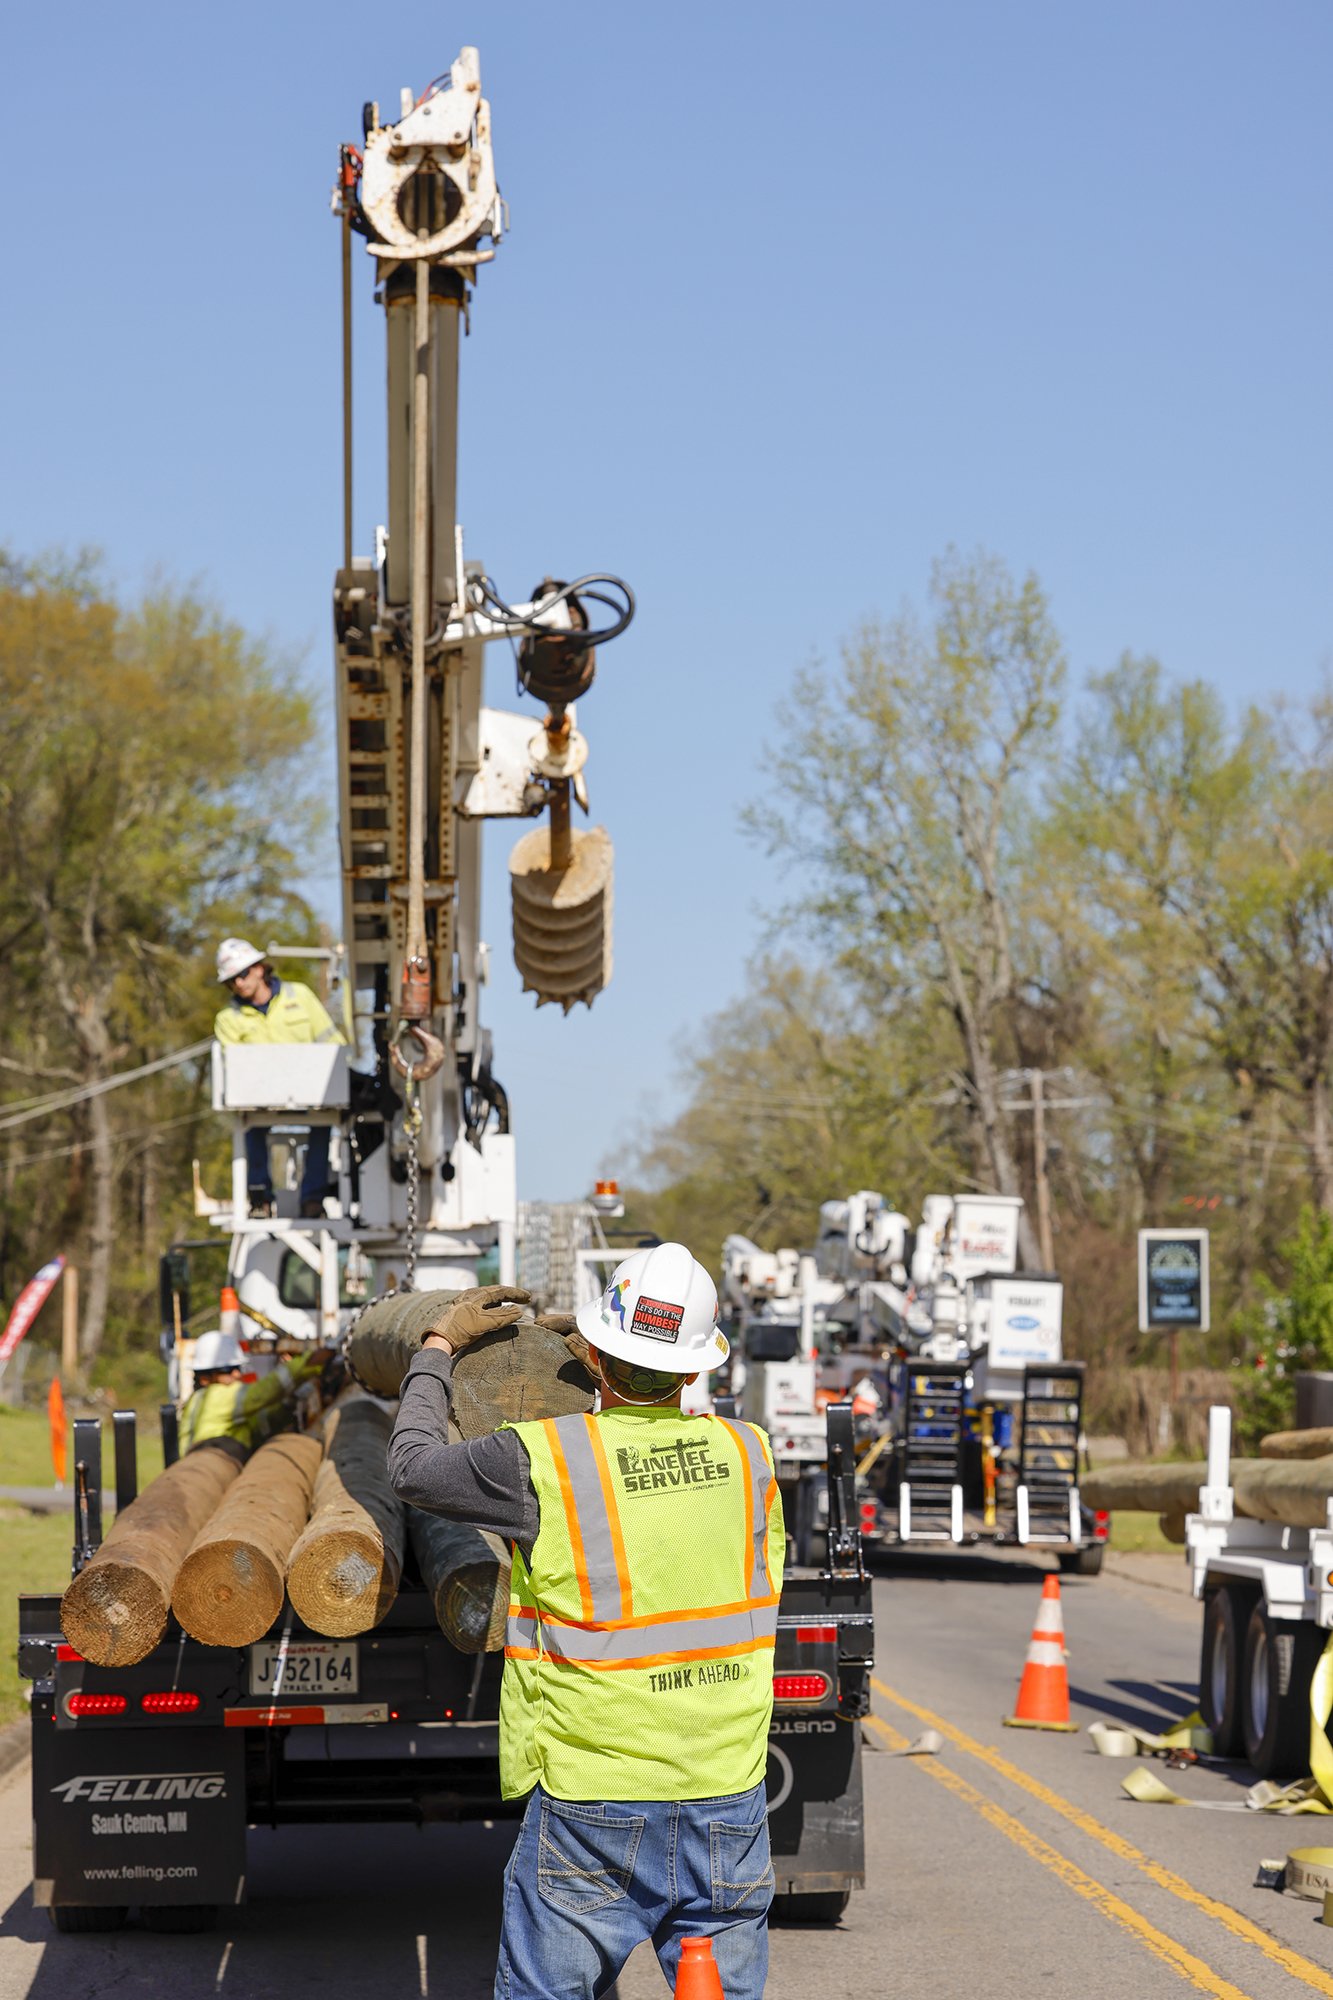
467,1572
469,1609
115,1611
229,1589
340,1584
227,1594
117,1617
344,1571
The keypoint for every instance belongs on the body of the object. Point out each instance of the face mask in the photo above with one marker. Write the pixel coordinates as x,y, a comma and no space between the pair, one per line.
640,1386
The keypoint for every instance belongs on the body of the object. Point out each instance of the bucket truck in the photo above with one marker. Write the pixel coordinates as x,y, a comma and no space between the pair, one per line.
201,1741
983,1412
775,1302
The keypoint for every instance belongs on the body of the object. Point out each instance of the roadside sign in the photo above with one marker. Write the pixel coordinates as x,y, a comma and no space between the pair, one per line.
27,1306
1173,1280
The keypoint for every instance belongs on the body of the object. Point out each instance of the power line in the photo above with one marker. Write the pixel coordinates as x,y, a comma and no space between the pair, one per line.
119,1139
64,1100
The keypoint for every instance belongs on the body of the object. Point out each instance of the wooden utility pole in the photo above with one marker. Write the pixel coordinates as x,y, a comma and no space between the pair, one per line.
1044,1239
69,1324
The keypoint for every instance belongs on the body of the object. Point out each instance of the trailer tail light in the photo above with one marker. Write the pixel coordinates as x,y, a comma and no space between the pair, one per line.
1101,1526
816,1635
800,1687
68,1653
171,1702
95,1704
868,1513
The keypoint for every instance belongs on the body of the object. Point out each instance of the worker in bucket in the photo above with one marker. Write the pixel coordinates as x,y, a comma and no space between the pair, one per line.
638,1681
224,1409
265,1008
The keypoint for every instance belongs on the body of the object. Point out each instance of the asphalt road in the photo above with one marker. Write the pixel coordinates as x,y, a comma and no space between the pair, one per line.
1009,1865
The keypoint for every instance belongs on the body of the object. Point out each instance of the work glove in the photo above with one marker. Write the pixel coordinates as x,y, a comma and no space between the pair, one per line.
305,1364
472,1315
567,1327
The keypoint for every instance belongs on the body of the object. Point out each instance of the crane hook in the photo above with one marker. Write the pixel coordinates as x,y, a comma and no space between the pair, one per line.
431,1046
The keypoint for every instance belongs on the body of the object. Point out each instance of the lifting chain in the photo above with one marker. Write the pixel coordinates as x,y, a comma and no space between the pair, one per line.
413,1074
412,1129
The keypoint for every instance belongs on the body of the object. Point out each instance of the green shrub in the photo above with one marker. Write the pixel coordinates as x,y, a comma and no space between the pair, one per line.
1289,1331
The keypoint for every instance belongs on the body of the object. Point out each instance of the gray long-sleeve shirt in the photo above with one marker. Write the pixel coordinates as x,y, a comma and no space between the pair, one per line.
486,1480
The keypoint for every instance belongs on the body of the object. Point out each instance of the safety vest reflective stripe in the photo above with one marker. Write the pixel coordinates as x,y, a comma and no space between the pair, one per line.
588,1515
758,1505
609,1634
627,1645
604,1548
637,1625
613,1520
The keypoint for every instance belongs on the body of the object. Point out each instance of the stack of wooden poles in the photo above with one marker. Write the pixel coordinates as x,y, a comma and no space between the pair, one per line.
311,1517
1291,1481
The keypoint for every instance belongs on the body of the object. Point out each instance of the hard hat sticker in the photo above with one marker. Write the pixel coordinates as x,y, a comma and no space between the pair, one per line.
656,1318
614,1302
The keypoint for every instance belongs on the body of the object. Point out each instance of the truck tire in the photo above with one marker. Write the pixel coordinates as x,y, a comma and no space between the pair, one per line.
1280,1656
179,1919
69,1917
1222,1667
821,1906
1083,1562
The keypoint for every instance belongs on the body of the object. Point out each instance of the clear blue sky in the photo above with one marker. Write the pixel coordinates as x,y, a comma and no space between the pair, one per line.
794,298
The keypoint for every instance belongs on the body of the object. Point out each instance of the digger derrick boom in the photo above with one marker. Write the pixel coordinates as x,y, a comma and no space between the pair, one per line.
421,761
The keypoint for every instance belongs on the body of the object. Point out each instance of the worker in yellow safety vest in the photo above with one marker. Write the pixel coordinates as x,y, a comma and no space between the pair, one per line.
224,1409
638,1683
265,1008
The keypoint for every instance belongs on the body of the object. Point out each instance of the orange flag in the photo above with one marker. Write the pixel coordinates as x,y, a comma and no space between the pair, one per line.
55,1410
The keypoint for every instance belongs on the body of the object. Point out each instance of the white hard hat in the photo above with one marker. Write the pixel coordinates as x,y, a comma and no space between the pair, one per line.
216,1350
235,955
659,1311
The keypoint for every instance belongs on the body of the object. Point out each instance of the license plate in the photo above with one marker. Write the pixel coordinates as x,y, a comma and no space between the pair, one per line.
305,1667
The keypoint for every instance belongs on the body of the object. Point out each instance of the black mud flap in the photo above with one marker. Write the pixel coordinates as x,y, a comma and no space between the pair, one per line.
816,1813
137,1816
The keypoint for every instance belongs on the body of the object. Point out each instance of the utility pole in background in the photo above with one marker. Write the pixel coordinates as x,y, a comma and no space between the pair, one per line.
1039,1104
1037,1081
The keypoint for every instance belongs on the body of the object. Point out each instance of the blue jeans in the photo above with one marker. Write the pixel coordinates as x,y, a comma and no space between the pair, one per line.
586,1883
314,1178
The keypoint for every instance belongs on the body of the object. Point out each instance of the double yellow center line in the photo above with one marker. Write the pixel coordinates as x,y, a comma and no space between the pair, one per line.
1184,1962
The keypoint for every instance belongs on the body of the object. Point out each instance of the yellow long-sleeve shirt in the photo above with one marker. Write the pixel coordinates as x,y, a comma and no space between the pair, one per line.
247,1412
294,1014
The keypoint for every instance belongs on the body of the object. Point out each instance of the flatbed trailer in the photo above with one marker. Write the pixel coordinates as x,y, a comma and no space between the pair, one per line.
1267,1596
145,1779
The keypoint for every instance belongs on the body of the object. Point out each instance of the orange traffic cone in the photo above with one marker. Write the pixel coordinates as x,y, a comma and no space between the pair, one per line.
1043,1692
698,1977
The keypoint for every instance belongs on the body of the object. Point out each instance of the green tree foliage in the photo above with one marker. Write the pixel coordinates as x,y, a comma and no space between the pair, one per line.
1201,860
1290,1329
155,793
903,785
794,1095
1135,898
